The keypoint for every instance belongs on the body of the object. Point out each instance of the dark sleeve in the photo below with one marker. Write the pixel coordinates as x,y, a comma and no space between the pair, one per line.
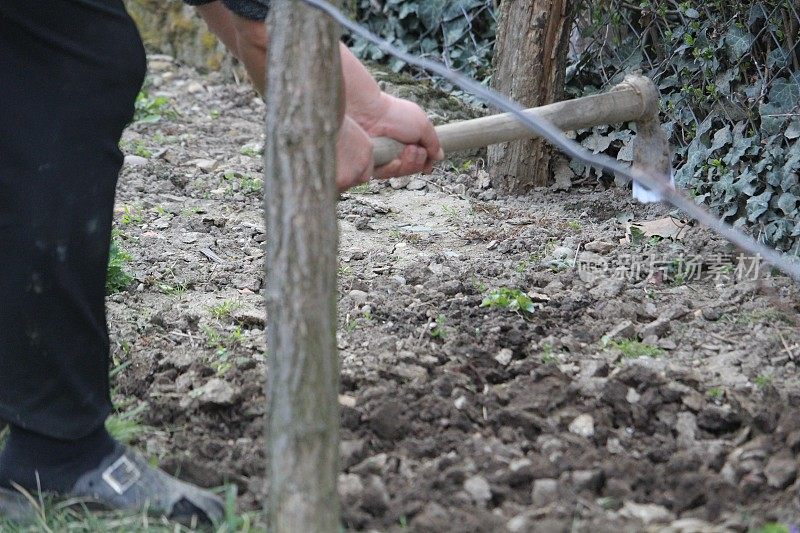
249,9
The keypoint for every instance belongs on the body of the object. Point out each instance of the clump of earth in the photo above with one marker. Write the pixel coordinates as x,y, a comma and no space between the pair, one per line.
519,364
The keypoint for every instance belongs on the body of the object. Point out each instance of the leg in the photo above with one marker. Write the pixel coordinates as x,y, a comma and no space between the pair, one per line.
69,74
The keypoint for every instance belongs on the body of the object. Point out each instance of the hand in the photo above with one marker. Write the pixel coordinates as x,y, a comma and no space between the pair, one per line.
354,164
405,122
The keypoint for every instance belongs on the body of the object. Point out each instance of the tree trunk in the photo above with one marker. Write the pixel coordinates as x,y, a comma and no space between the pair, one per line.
173,28
529,65
303,96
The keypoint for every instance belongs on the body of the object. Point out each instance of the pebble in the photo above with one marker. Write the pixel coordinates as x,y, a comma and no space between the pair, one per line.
400,182
351,452
622,331
206,165
545,492
416,185
648,513
375,497
583,425
350,488
217,392
781,471
358,297
658,328
134,161
600,247
504,356
478,489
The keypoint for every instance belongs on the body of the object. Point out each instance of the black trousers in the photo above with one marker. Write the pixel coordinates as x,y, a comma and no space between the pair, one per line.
69,74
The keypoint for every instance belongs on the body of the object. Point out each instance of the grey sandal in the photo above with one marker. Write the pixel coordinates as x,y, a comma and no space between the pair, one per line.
127,482
124,481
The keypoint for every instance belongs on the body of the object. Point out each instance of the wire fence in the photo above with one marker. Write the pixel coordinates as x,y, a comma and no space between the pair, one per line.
729,76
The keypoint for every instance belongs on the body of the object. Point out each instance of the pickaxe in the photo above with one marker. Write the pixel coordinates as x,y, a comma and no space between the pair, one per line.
635,99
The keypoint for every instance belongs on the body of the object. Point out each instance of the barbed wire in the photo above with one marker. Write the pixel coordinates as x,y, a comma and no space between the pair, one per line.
556,137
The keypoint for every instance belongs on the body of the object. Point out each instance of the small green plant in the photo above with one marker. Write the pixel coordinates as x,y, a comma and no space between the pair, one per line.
772,527
574,225
633,349
117,278
131,215
547,354
149,109
251,151
762,381
511,299
222,309
173,289
438,331
715,392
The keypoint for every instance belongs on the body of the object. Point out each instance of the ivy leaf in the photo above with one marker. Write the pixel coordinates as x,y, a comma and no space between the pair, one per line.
747,183
758,205
783,97
721,138
793,129
787,202
430,13
737,42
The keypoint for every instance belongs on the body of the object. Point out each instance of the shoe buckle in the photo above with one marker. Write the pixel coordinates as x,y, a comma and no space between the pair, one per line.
121,475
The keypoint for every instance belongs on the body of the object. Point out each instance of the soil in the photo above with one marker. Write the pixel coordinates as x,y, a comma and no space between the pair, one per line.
635,397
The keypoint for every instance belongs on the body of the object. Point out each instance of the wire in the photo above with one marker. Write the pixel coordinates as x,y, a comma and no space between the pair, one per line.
556,137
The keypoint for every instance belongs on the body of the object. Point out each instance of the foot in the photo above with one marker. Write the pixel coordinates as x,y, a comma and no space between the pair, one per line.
125,481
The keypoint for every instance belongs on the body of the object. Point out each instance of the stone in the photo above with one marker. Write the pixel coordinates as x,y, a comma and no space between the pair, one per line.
545,492
388,420
686,427
607,288
206,165
478,489
416,185
591,480
410,372
781,471
648,513
350,488
504,356
216,392
583,425
400,182
718,419
351,452
601,247
375,497
711,313
358,297
622,331
134,161
657,328
520,471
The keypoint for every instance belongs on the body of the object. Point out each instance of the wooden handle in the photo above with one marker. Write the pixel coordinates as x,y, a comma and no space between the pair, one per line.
634,99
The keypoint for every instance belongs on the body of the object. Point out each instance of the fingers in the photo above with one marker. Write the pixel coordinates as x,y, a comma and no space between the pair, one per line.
354,163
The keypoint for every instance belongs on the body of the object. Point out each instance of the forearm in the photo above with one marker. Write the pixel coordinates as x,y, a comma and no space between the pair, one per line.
246,39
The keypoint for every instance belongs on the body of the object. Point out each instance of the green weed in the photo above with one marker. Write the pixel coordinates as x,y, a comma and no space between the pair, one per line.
438,331
762,381
117,278
632,349
510,299
149,109
222,309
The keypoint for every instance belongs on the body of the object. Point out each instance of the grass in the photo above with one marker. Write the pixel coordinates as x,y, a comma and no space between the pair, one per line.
149,109
117,278
509,299
762,381
715,392
633,349
223,309
125,426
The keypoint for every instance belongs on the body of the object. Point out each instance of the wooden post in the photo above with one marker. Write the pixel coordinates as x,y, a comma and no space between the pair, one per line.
529,67
303,94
